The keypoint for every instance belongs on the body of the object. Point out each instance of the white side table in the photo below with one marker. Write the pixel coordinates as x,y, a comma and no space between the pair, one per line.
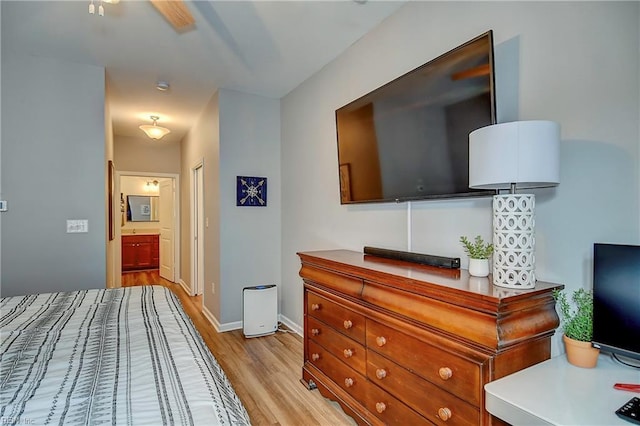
555,392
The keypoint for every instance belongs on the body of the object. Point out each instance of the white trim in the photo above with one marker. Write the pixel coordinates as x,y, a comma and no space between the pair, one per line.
196,288
292,325
220,328
117,261
184,286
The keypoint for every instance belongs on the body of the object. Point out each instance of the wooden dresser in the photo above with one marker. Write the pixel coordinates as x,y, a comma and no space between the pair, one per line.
400,343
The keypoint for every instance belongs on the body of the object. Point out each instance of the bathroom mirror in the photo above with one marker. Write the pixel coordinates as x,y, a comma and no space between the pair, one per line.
142,208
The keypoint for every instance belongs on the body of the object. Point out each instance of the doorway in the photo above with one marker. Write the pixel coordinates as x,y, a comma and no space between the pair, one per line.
156,216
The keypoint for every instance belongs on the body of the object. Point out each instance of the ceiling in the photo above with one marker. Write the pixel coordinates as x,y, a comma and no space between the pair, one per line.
259,47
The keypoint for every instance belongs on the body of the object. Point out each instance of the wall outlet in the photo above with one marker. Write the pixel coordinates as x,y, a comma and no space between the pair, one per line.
77,226
213,287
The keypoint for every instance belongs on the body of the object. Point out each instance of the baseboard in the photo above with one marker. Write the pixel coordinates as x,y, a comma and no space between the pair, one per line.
209,316
185,287
236,325
291,325
220,328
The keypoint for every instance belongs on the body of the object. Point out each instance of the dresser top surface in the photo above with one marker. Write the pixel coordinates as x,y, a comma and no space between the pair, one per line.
456,280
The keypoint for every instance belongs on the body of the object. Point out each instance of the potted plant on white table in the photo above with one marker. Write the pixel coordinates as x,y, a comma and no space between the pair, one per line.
577,324
479,253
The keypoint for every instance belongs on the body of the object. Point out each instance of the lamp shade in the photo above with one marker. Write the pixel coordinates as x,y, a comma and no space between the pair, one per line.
153,130
524,153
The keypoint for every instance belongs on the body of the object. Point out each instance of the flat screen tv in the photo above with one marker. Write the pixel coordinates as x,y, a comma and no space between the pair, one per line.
409,139
616,299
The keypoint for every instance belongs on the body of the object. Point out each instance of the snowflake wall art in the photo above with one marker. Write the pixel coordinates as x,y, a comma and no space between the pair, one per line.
251,191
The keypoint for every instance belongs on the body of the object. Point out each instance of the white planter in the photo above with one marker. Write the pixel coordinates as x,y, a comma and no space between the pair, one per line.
479,267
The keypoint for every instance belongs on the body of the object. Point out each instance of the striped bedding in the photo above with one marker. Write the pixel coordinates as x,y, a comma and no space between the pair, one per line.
112,356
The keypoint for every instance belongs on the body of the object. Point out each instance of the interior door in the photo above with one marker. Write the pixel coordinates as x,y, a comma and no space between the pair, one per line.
167,252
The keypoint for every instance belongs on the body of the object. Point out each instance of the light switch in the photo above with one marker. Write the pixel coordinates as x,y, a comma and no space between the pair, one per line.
3,206
77,226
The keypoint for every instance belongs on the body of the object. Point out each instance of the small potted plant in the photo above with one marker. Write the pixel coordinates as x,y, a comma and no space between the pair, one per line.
577,324
479,253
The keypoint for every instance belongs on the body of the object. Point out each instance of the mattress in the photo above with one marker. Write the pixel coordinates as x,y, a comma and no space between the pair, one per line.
123,356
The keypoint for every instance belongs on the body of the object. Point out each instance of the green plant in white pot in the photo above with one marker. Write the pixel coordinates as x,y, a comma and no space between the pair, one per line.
577,324
479,252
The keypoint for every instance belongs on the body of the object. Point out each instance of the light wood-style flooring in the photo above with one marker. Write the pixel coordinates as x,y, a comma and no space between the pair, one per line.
265,371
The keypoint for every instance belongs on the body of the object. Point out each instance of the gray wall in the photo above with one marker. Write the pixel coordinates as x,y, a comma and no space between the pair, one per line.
146,155
237,134
573,62
249,236
202,146
53,169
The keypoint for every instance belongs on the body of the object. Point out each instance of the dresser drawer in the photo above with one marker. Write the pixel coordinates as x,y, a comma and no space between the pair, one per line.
342,347
342,319
345,284
423,396
391,410
354,383
457,375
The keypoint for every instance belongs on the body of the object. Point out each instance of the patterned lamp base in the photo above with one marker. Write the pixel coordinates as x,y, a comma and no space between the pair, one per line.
514,241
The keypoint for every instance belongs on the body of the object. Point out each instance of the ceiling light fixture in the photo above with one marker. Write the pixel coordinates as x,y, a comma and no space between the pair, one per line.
153,130
162,86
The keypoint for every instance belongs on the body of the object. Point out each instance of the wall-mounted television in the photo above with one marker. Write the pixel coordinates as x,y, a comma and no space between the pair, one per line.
409,139
616,299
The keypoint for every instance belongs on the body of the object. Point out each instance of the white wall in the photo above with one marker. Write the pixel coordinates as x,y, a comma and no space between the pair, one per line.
53,169
250,237
576,63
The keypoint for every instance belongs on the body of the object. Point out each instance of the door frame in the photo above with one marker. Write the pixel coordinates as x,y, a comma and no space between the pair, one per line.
117,240
197,222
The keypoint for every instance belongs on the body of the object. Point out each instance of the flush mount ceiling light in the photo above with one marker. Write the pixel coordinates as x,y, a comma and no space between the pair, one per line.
153,130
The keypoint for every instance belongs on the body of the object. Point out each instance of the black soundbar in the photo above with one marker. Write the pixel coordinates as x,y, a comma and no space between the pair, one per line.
424,259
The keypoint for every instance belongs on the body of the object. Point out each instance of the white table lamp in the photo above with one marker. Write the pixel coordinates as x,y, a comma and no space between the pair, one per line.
516,155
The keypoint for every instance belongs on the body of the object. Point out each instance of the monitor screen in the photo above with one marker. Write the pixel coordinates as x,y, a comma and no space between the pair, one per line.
616,299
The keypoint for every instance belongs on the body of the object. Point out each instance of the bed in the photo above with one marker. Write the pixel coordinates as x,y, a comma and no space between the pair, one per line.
123,356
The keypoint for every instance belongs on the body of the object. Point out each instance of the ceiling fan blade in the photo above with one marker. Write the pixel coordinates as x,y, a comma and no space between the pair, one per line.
174,11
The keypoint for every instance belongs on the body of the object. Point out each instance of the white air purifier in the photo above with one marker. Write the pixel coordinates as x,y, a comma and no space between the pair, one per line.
259,310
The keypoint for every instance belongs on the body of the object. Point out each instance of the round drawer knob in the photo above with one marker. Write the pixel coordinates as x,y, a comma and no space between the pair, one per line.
315,331
381,373
445,373
444,414
315,306
380,407
348,324
348,382
381,341
315,357
348,353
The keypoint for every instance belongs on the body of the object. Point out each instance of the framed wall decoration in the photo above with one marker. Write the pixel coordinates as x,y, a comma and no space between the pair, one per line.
111,184
251,191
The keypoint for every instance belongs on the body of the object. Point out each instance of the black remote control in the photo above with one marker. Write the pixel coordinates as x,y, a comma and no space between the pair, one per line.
630,411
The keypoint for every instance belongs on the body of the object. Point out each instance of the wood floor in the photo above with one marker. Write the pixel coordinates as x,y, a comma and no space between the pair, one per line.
265,371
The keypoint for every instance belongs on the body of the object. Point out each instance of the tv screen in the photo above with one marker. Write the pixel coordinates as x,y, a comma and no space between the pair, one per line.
409,139
616,299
